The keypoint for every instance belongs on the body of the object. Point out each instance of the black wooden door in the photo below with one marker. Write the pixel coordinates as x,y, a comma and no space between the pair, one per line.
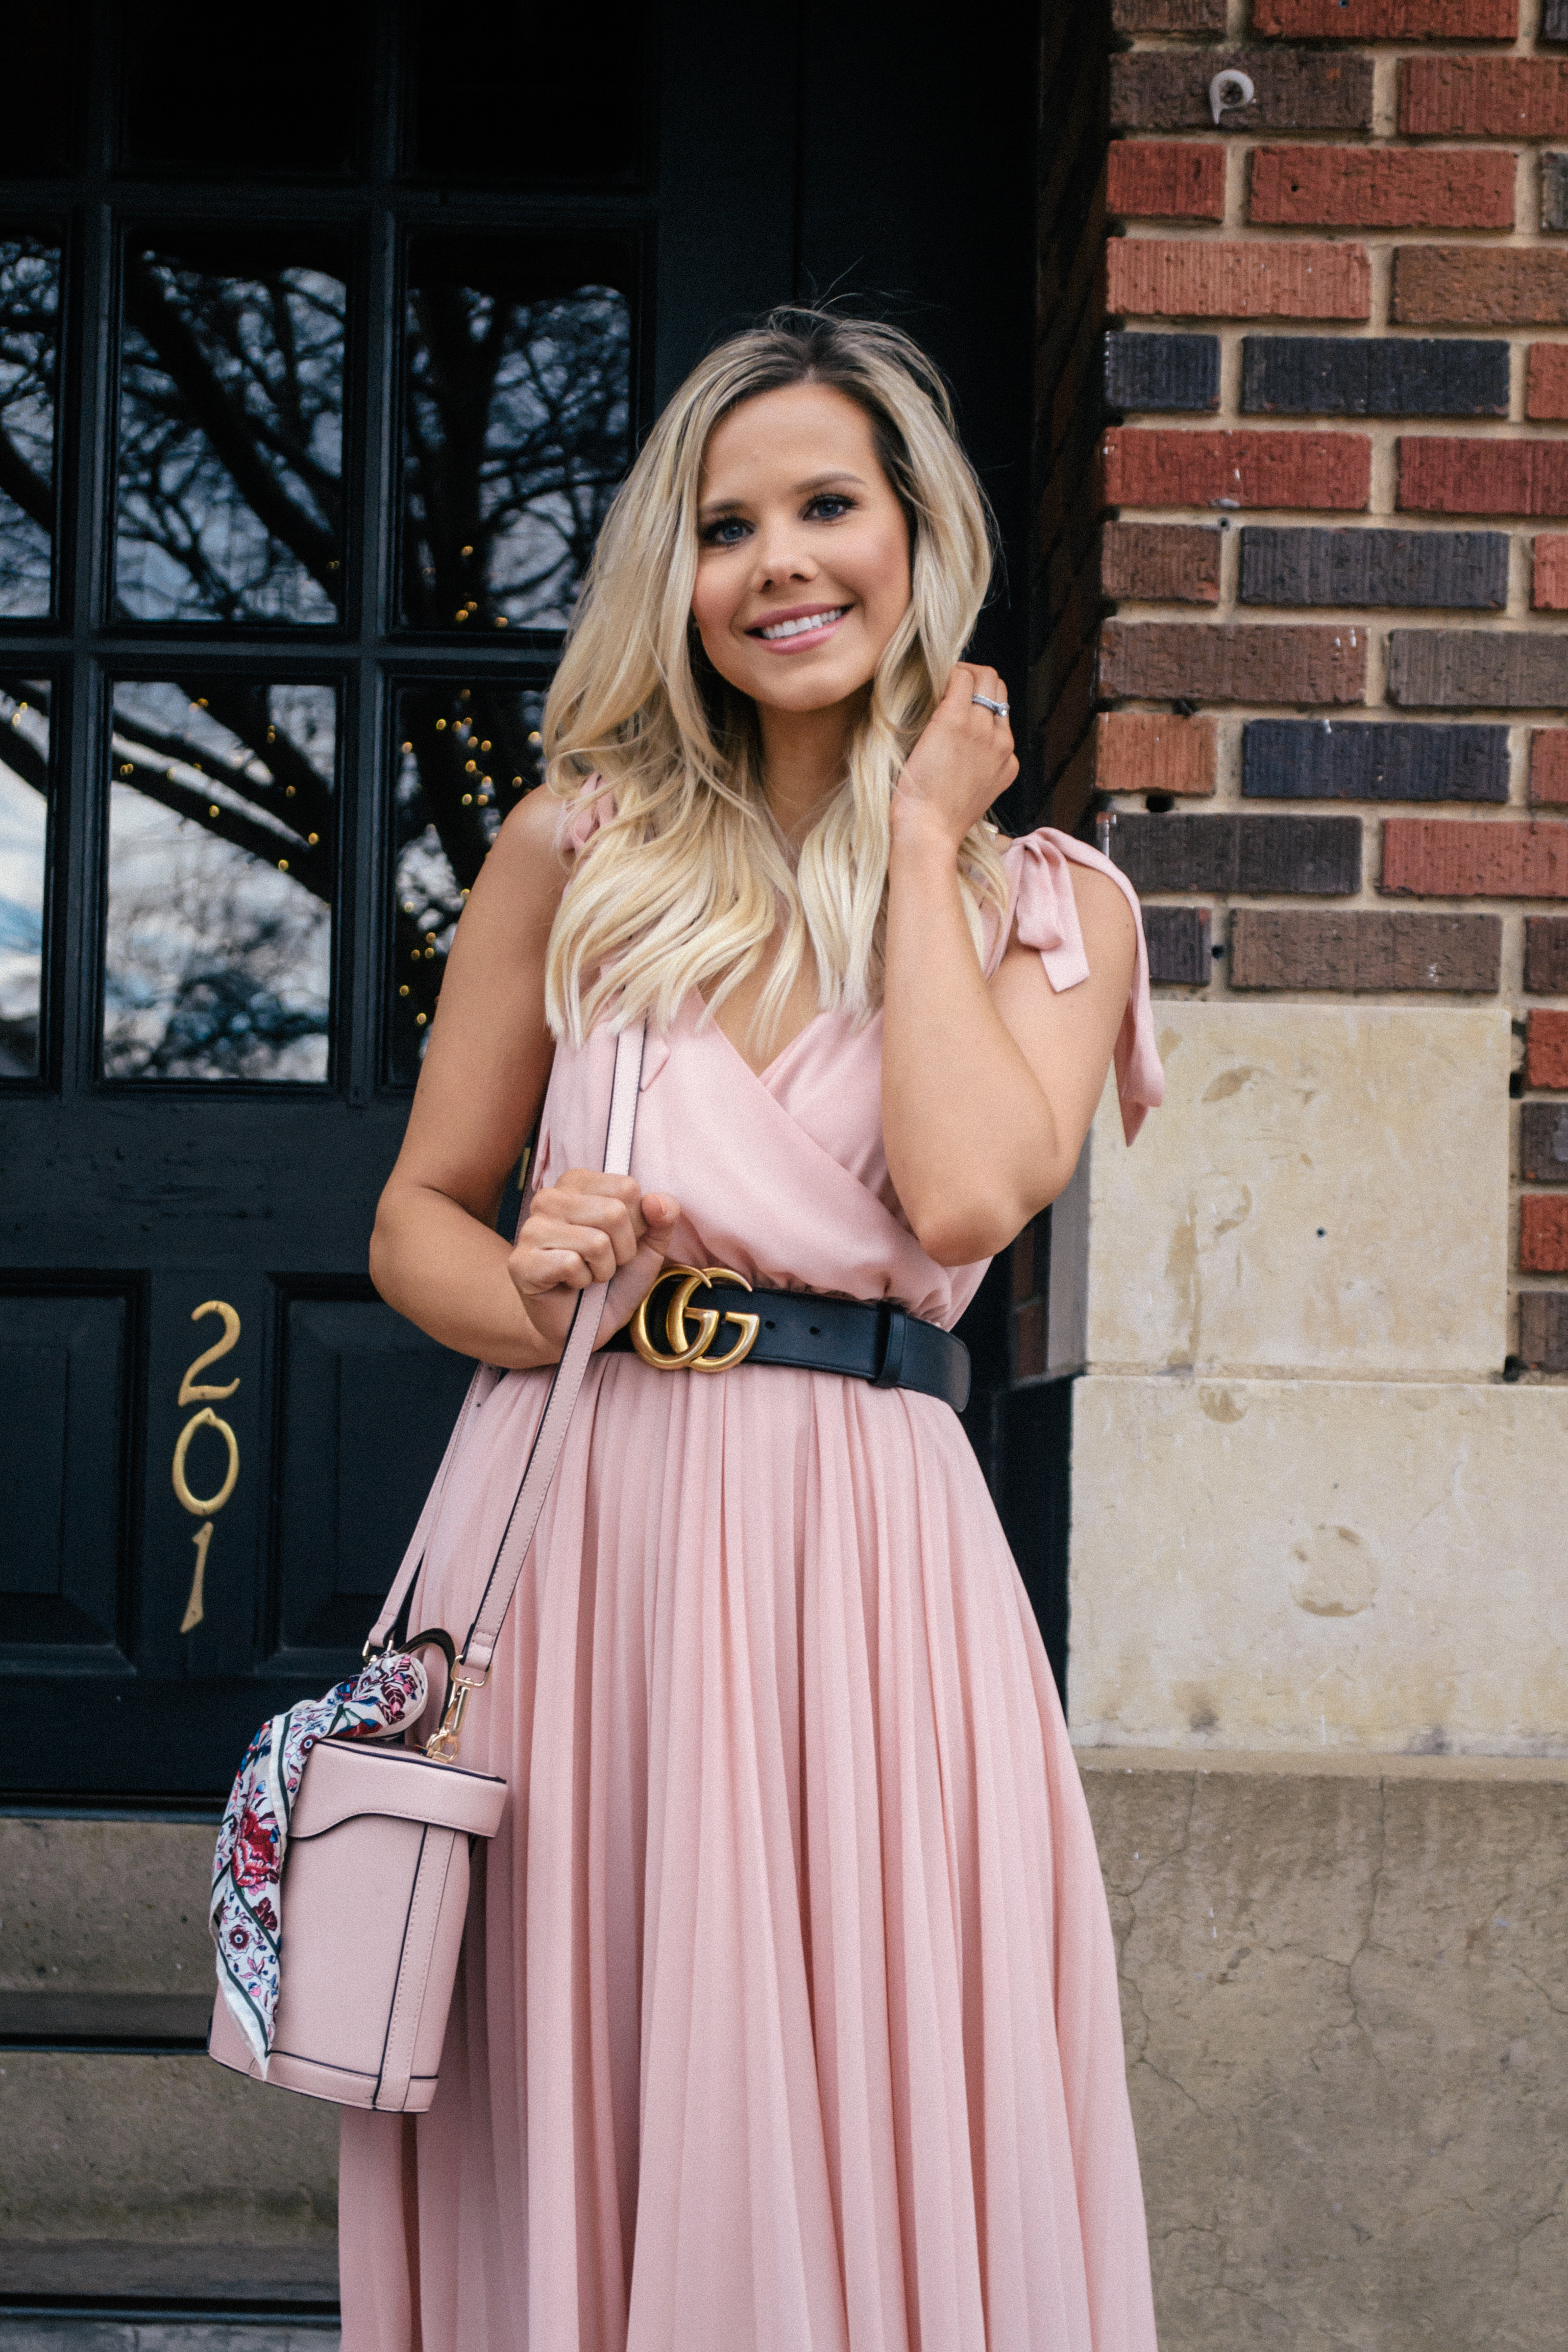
322,350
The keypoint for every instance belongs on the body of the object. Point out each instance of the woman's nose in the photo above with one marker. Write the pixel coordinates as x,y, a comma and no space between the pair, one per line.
782,556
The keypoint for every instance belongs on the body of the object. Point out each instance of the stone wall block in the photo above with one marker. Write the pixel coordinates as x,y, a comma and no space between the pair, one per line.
1280,1212
1319,1564
1375,375
1276,948
1371,760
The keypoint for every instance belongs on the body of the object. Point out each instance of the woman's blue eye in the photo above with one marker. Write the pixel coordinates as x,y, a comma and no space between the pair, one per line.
834,499
717,534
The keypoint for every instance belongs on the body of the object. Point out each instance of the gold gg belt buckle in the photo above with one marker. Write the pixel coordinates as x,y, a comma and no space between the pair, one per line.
691,1356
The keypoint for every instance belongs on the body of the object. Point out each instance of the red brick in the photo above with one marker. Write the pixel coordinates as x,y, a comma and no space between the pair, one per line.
1543,1232
1167,179
1546,385
1462,474
1232,661
1480,286
1186,278
1382,187
1549,573
1160,563
1487,98
1135,752
1549,766
1546,1051
1426,857
1387,20
1154,466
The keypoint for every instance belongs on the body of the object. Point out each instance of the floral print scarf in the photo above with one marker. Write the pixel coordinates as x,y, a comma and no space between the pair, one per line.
246,1907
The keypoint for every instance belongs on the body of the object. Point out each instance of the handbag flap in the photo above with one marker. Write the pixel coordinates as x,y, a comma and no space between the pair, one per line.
346,1777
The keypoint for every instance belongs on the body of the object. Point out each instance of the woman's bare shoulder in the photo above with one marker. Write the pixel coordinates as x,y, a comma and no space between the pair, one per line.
1106,921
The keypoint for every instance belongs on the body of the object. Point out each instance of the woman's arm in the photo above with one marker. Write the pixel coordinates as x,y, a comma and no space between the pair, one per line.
987,1088
434,1254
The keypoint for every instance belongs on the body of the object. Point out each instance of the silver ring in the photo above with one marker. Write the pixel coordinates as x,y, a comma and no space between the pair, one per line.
1000,708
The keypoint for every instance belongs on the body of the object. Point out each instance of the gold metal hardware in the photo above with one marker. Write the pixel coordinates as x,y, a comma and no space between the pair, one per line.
199,1507
692,1355
203,1393
443,1743
194,1391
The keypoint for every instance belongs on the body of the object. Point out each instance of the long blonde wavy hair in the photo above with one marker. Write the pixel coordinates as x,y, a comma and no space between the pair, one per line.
688,877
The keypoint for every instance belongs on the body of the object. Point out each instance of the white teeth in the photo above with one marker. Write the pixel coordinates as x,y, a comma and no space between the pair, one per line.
807,621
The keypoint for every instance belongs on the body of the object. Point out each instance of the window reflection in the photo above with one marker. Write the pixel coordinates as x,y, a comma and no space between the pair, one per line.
218,947
24,843
463,759
231,432
29,342
516,424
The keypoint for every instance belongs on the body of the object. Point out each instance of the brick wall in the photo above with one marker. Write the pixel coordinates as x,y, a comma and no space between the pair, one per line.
1300,664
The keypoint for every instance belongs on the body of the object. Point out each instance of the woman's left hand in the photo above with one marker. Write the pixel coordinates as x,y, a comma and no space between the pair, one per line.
963,762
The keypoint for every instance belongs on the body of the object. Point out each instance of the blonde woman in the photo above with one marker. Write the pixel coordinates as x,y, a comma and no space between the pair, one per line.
787,2016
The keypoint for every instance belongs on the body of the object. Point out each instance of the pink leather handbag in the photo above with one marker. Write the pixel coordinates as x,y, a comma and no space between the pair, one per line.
374,1885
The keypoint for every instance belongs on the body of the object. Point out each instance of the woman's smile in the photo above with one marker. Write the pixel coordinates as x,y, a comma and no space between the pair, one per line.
802,626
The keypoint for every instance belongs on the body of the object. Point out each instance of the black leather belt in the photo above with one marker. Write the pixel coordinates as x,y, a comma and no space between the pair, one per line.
714,1319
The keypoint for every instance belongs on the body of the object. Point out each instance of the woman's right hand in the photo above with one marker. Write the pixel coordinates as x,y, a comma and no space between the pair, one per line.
590,1227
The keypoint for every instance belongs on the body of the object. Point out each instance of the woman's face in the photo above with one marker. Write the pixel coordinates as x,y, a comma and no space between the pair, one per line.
803,570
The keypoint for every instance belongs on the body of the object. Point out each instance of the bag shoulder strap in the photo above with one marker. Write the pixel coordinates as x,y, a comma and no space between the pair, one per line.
545,1454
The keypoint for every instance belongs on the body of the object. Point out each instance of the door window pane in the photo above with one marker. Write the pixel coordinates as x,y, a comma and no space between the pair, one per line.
231,407
217,947
30,345
44,78
294,105
462,760
24,845
517,427
518,90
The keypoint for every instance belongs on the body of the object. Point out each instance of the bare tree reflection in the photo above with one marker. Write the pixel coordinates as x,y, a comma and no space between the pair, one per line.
517,421
29,307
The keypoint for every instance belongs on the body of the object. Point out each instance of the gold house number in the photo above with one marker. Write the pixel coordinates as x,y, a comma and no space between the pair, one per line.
206,1507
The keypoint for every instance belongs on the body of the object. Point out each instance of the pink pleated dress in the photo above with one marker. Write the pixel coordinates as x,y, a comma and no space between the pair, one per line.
787,2016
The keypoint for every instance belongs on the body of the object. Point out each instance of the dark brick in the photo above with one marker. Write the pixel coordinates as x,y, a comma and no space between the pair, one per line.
1554,21
1319,854
1454,569
1274,949
1179,951
1167,16
1166,374
1477,669
1161,563
1161,90
1554,192
1387,20
1543,1143
1543,1314
1546,955
1327,375
1231,661
1320,759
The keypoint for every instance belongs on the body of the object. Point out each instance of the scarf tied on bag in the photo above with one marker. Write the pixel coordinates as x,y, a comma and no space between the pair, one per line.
247,1907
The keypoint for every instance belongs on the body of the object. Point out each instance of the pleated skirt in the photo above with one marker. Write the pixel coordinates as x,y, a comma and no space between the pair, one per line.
787,2015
